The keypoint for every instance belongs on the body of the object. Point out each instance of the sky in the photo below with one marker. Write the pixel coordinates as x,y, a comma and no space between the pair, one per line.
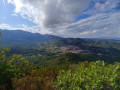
66,18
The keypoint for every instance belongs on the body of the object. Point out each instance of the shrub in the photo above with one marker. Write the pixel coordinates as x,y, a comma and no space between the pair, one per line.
98,75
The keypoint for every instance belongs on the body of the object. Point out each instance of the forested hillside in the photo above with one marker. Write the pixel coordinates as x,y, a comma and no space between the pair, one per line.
58,63
20,38
16,73
46,48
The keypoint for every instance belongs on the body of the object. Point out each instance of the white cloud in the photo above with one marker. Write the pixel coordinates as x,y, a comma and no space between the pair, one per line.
14,15
57,17
49,14
100,25
4,26
101,6
33,29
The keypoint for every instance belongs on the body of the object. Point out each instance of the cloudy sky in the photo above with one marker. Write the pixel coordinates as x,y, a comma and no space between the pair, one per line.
67,18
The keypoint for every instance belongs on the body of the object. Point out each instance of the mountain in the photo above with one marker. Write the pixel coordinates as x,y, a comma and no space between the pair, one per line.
35,46
19,37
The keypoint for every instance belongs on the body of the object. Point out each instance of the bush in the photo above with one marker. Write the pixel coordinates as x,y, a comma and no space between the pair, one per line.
97,75
41,79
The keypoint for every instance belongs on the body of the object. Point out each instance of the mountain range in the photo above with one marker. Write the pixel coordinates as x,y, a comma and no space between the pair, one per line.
19,37
34,44
11,38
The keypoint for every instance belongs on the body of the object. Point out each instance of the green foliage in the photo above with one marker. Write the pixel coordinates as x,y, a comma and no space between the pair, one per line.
63,73
41,60
12,66
68,58
98,75
18,61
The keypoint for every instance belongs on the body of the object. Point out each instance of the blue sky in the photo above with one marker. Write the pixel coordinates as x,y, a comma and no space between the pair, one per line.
7,16
67,18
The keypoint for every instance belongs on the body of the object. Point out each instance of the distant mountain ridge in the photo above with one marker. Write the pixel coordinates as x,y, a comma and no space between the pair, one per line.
13,38
19,37
34,44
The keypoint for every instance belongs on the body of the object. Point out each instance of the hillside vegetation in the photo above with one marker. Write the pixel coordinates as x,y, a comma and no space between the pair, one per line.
19,74
60,64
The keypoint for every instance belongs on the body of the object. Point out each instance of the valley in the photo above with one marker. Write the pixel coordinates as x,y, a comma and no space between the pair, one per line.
36,46
41,60
59,44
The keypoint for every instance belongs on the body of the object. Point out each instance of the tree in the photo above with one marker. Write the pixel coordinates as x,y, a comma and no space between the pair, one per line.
11,67
14,66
